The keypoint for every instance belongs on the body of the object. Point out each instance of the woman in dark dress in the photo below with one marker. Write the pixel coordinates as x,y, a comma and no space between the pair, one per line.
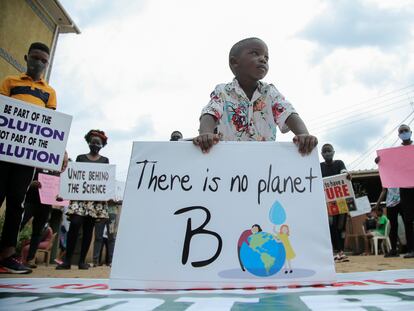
85,213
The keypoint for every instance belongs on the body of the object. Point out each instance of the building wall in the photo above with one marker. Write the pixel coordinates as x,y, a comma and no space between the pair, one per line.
21,23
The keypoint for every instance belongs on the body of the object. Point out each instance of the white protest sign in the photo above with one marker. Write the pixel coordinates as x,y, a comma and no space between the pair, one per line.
362,206
339,194
32,135
193,220
88,182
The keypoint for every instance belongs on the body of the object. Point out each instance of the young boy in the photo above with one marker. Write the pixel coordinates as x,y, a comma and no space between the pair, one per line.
248,109
15,179
381,220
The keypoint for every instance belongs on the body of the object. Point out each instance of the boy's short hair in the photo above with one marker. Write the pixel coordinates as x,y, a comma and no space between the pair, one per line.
238,47
39,46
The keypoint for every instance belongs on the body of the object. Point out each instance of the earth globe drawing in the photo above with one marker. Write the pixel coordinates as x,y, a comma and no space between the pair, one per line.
262,255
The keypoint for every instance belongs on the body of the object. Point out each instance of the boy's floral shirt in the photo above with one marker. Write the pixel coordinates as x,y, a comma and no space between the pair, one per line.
242,119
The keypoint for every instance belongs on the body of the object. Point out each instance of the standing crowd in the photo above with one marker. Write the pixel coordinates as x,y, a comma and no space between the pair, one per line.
245,109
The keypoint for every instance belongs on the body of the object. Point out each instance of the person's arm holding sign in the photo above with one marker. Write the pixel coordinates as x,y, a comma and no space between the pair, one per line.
344,170
303,140
207,139
381,198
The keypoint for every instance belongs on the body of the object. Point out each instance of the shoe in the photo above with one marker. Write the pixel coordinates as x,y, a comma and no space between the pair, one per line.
409,255
63,266
14,265
31,263
342,258
83,266
391,254
58,261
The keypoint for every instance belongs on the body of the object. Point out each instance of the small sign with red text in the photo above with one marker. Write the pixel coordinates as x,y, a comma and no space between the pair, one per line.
339,194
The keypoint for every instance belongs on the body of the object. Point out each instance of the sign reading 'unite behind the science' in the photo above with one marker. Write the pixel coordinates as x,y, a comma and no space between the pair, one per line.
245,214
88,181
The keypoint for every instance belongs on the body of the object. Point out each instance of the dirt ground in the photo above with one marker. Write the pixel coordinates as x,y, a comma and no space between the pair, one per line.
355,264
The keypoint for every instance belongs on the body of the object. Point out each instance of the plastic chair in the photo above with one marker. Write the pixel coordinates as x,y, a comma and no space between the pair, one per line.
384,238
48,250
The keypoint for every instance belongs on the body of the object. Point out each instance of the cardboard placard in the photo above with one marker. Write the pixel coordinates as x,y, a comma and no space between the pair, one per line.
245,214
88,182
49,190
339,194
31,135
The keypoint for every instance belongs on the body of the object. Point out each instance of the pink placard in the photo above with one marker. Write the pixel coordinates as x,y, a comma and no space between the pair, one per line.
396,167
50,189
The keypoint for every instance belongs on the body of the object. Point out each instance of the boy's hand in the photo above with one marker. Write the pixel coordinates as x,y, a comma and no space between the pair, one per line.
206,141
305,143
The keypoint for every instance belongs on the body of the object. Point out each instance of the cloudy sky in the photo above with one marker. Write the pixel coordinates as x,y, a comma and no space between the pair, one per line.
141,69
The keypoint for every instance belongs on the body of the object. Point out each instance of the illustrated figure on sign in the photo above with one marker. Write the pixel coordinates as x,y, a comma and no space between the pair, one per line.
244,238
260,253
283,236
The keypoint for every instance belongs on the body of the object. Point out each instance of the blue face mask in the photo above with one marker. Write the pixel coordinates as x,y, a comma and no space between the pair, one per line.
405,135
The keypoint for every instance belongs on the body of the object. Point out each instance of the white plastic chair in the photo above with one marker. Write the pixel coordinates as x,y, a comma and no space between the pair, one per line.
385,240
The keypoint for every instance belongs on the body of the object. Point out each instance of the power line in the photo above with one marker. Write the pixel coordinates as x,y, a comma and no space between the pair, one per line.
378,143
364,110
373,147
361,159
353,110
396,140
329,125
374,100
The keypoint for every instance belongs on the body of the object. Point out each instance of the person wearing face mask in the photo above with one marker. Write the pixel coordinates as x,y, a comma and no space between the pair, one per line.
406,196
85,213
337,223
15,179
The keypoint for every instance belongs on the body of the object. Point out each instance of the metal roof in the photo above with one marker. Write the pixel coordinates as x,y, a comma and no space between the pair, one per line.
365,173
59,15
